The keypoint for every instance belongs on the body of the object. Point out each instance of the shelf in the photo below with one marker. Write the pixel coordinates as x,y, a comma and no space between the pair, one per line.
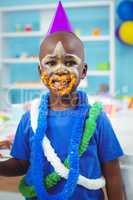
19,60
98,73
41,34
23,34
26,86
35,86
95,38
53,6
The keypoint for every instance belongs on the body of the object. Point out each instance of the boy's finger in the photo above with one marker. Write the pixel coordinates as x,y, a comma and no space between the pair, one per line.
1,156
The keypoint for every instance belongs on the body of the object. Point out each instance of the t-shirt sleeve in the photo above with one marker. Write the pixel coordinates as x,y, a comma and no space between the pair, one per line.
20,149
108,145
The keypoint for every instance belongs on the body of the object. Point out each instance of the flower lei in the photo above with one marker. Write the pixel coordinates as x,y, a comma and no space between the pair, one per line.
37,157
53,178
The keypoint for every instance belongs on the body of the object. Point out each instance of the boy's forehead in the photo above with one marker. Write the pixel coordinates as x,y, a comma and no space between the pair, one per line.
71,45
51,46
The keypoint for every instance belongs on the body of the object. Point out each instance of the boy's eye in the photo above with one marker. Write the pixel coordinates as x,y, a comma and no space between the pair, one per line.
70,63
51,63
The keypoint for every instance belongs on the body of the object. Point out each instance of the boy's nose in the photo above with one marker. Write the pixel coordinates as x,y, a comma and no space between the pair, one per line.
61,71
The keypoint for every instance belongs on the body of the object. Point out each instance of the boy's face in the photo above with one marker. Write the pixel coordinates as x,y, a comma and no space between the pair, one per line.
61,63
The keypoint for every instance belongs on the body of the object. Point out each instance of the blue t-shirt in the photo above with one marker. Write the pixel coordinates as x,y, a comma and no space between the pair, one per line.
103,147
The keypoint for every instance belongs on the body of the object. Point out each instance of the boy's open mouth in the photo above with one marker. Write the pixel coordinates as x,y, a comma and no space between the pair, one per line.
60,81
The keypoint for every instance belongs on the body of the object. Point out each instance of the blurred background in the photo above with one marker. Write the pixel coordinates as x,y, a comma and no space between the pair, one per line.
106,29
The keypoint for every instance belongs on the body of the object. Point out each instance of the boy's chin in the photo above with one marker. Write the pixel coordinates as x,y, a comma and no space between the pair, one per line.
59,93
62,92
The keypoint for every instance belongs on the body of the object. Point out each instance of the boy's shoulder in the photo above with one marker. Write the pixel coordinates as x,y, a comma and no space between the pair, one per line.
100,118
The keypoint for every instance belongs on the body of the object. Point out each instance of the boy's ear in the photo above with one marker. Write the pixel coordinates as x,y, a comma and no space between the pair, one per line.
84,71
39,69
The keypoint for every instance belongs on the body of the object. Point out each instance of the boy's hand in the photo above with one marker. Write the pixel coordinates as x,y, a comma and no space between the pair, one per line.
13,167
5,144
114,183
1,156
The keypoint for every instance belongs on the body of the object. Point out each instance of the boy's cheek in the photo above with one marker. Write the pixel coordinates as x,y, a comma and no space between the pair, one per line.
44,77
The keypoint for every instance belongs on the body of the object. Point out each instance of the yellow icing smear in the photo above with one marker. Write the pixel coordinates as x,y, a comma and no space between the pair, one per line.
60,82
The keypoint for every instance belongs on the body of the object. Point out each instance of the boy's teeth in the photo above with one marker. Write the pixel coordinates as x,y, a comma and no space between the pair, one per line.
58,84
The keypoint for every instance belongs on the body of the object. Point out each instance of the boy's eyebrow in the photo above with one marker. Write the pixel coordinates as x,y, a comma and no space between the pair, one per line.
73,56
67,57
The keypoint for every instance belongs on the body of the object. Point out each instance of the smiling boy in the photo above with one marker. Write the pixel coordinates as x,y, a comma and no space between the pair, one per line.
52,146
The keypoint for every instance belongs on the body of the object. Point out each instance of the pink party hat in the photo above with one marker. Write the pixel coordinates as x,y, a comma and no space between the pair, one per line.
60,21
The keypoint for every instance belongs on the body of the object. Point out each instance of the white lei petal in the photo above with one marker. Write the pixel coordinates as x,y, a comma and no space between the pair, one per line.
34,112
91,184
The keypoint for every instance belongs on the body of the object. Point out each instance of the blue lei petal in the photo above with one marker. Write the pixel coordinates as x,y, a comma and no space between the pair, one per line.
37,155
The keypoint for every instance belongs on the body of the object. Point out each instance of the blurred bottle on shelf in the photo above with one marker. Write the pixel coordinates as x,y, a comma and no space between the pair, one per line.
96,32
18,28
28,28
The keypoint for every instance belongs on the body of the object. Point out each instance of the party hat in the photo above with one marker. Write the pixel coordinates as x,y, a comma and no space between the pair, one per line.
60,21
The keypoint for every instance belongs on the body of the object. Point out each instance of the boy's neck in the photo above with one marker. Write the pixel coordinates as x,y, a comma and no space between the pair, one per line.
62,102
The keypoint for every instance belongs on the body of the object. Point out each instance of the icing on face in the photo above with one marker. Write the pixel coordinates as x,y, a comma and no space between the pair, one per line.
60,70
